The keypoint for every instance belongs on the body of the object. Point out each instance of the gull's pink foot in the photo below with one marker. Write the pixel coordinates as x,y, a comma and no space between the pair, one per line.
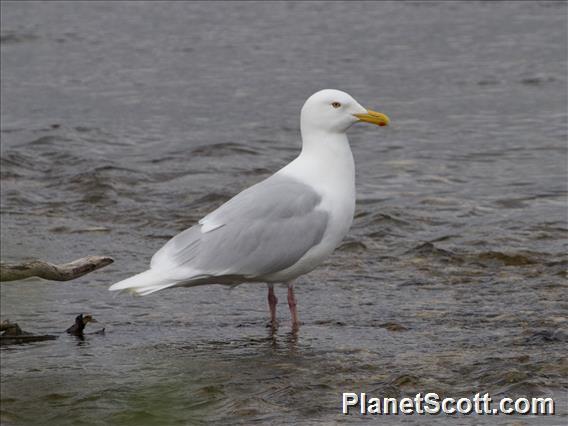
292,304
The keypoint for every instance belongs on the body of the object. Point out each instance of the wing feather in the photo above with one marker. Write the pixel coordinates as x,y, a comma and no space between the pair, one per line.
264,229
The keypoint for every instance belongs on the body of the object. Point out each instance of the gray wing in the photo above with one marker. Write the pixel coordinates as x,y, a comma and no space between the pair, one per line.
264,229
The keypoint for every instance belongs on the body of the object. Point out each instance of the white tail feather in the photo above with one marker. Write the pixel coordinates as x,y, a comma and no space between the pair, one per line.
145,283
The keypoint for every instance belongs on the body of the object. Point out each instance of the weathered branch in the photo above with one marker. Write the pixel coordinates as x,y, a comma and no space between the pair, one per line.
49,271
13,334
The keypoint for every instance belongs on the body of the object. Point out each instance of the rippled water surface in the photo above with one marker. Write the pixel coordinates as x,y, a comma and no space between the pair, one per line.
124,123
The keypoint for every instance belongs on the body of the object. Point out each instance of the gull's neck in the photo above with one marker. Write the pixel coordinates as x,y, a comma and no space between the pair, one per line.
326,161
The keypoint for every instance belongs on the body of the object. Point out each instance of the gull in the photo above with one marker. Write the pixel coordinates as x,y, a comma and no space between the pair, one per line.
280,228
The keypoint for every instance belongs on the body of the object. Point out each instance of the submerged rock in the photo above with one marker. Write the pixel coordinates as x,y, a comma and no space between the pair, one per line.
507,259
393,326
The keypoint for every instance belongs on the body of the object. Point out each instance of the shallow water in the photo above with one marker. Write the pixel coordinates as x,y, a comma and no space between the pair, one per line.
124,123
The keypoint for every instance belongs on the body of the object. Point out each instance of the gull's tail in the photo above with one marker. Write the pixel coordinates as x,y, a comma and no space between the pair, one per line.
145,283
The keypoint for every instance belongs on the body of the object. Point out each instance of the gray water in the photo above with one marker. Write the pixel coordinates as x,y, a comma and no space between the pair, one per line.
124,123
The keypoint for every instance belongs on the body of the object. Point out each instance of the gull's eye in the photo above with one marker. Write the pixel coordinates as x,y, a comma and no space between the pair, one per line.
336,105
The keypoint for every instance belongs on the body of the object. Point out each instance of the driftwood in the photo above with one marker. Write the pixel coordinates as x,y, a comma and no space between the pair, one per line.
13,334
49,271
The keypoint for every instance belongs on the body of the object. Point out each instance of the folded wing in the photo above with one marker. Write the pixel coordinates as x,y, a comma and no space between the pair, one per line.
264,229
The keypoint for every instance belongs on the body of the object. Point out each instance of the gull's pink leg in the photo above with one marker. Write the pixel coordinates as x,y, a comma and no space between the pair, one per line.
272,301
292,305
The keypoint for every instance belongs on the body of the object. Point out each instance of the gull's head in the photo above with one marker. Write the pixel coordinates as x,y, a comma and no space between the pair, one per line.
334,111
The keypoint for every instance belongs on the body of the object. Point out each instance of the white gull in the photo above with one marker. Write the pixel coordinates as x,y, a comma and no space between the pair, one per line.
280,228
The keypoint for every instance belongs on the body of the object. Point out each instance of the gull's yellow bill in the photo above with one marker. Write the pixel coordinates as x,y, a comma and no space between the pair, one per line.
374,117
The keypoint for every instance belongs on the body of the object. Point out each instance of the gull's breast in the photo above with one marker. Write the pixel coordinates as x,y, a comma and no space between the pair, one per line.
340,206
